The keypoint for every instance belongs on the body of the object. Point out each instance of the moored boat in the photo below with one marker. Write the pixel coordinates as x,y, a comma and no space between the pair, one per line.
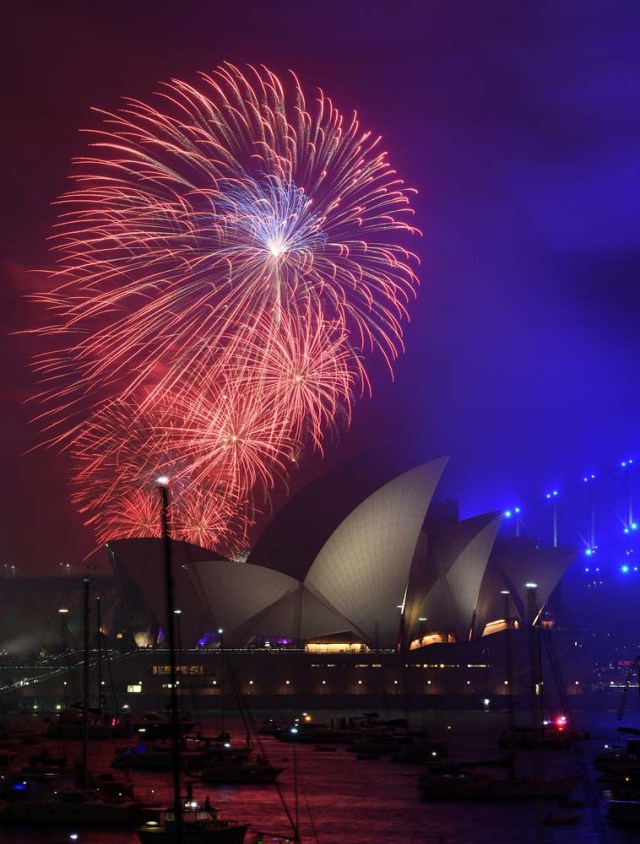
156,725
624,811
199,824
74,806
238,770
468,784
69,724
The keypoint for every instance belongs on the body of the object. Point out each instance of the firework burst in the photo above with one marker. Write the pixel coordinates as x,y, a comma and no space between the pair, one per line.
229,253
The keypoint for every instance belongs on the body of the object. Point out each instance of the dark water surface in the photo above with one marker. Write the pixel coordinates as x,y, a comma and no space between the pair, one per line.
344,800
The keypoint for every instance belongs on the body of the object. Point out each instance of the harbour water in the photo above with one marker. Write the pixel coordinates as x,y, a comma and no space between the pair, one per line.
346,800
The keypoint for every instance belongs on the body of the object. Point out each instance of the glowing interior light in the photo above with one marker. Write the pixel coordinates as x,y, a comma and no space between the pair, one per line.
508,514
162,480
624,569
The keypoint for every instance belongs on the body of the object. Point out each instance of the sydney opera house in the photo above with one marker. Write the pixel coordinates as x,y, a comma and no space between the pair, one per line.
361,585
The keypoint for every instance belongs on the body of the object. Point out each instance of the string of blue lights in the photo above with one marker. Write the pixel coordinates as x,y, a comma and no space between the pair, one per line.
595,514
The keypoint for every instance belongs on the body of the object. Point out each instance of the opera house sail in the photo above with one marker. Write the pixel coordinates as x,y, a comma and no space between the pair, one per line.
381,591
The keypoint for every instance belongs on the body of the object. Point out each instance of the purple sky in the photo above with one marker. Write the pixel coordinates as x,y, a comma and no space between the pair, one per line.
519,123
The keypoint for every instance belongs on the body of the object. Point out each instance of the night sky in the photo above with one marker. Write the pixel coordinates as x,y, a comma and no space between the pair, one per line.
518,123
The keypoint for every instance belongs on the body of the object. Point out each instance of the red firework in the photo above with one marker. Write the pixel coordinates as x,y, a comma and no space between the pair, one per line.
231,251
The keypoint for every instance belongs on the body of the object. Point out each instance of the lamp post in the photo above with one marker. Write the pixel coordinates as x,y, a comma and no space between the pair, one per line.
163,488
537,706
221,704
506,595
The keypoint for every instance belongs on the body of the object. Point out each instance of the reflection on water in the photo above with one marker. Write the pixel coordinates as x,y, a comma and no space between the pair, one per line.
346,800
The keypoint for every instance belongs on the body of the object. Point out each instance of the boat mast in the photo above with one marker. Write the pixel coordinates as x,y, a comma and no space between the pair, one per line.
163,487
85,686
533,612
100,701
509,667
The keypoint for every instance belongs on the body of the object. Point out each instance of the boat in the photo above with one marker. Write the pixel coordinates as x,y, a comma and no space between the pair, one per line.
237,769
159,755
155,725
619,763
473,784
47,791
76,806
69,724
44,765
551,735
81,720
624,811
200,824
466,782
185,821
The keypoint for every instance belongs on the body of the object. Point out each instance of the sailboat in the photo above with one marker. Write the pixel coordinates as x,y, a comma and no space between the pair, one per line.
72,721
186,821
467,782
88,802
620,767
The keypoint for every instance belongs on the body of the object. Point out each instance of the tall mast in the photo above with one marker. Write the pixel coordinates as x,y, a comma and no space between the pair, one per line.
163,486
85,685
99,646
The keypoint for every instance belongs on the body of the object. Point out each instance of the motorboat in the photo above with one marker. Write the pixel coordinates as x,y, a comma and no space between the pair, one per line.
199,824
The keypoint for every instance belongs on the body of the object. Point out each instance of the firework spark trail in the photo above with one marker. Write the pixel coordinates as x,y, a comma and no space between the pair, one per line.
231,250
116,459
304,370
231,436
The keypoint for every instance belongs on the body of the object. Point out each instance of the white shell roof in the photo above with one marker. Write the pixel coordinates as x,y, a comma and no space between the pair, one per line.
378,559
363,568
457,569
511,569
